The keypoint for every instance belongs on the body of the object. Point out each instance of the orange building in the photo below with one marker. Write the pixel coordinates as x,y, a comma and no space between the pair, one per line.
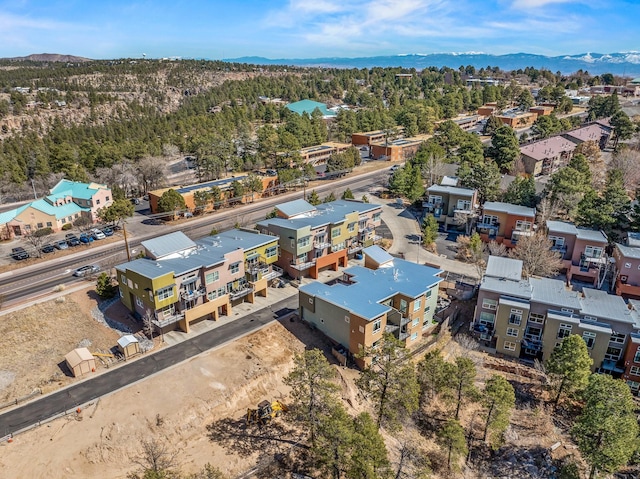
397,150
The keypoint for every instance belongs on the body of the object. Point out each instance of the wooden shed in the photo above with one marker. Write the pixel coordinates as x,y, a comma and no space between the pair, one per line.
128,345
80,361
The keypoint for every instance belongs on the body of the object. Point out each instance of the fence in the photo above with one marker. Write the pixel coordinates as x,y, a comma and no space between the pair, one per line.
15,402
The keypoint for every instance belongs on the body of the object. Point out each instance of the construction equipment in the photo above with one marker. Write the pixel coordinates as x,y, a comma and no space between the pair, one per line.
266,412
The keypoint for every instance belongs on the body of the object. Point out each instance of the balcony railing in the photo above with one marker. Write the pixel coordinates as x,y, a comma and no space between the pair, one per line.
240,292
194,294
560,249
167,320
256,267
321,244
302,266
354,248
274,273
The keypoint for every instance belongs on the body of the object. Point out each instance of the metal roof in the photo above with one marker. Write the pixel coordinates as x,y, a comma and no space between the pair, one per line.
518,289
377,254
561,227
509,209
76,189
586,234
168,244
548,148
592,132
237,238
10,215
633,239
308,106
628,251
295,207
603,305
323,214
363,297
451,190
62,211
509,268
554,292
208,185
126,340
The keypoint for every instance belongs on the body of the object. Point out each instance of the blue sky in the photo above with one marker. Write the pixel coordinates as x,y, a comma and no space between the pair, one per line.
315,28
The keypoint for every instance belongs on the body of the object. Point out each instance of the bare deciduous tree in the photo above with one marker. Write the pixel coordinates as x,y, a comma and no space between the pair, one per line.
147,323
156,457
627,161
497,249
151,173
537,258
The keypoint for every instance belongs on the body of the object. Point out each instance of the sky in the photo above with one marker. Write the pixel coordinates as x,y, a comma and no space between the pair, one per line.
217,29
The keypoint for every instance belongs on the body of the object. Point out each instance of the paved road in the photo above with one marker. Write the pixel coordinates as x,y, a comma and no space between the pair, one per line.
70,398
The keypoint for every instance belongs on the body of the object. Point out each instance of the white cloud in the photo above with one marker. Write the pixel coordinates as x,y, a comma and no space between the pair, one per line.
526,4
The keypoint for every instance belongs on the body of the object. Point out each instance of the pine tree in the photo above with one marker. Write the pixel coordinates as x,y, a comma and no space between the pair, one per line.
569,366
498,399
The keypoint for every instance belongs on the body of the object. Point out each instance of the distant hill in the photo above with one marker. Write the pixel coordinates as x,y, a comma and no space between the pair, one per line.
49,57
626,63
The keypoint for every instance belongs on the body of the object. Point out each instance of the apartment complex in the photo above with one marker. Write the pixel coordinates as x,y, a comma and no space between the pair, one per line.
388,295
599,132
451,205
627,260
401,149
181,281
317,237
505,223
547,156
67,201
320,154
528,318
582,251
368,138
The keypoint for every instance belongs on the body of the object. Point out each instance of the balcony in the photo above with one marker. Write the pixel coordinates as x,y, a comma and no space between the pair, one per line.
302,266
354,248
532,342
167,320
193,294
321,244
562,249
256,267
273,274
240,292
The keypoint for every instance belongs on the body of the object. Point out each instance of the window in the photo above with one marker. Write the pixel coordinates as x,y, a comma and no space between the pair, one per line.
522,225
97,202
435,199
310,300
635,371
627,265
557,241
123,279
613,353
351,227
165,293
591,318
235,267
39,225
403,306
428,295
63,221
618,338
489,219
293,243
376,217
636,358
415,322
211,277
414,336
107,198
489,304
271,251
302,242
49,224
589,338
347,319
564,330
139,302
416,304
536,318
464,205
566,310
593,251
509,346
377,325
335,232
487,319
634,386
515,317
212,295
512,332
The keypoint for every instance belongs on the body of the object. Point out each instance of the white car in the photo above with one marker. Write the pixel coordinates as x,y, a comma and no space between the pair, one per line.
86,270
97,234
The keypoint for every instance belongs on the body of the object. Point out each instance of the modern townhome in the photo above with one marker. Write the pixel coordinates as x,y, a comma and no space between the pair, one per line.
547,156
627,262
181,281
582,249
505,223
67,201
389,295
316,237
451,205
527,319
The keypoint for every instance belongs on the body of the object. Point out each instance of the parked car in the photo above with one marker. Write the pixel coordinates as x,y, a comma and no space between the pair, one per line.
97,234
107,231
72,239
48,248
394,167
86,270
135,201
61,244
19,253
85,238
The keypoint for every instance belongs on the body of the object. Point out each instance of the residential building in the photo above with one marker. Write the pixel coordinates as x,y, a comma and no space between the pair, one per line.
505,223
547,156
631,372
390,295
597,132
320,154
542,110
518,119
188,193
67,201
488,109
401,149
369,137
582,251
181,281
451,205
466,123
627,266
317,237
528,318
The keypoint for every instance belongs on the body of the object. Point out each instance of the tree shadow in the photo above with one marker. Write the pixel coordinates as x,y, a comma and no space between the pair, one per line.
247,439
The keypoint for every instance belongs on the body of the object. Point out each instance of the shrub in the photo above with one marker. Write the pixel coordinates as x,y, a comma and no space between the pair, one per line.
67,226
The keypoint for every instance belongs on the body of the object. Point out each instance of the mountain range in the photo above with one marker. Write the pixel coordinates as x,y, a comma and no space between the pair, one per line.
623,63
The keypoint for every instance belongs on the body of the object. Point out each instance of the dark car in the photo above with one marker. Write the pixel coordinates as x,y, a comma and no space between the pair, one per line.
72,239
85,238
62,244
48,248
107,231
19,253
86,270
135,201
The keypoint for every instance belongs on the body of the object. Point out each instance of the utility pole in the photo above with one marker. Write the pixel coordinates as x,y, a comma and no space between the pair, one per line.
126,242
